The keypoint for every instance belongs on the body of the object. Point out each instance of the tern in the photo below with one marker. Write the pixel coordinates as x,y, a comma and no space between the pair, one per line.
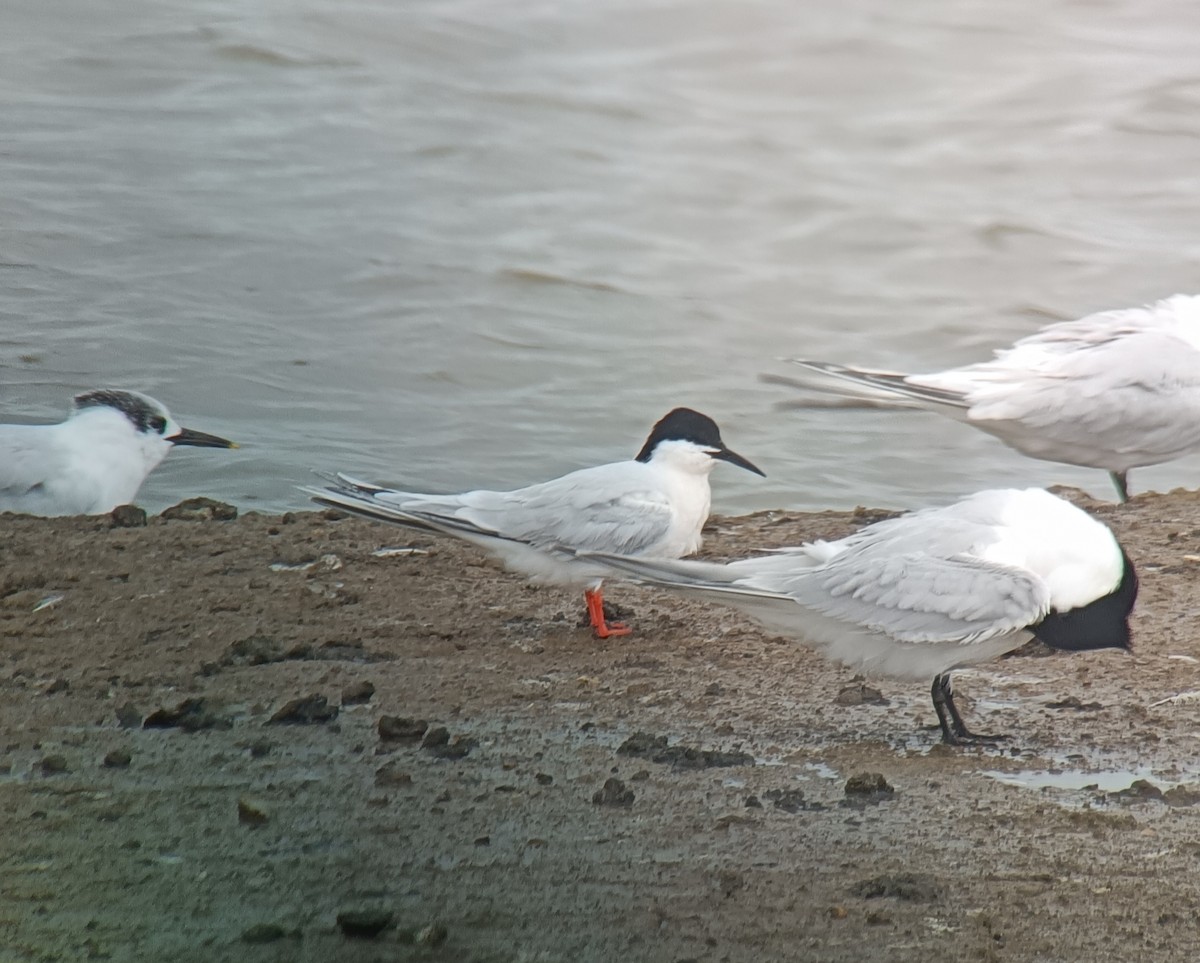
95,460
1114,390
917,596
654,504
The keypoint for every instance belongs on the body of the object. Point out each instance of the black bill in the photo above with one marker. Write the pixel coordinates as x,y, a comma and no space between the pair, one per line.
200,439
724,454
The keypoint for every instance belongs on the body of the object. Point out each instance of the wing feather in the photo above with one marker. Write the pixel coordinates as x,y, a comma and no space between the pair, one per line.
577,511
29,465
913,598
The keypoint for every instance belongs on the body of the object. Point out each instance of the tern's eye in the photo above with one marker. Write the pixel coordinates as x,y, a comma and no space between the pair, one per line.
158,423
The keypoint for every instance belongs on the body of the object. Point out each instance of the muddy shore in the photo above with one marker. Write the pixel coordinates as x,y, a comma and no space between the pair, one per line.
314,738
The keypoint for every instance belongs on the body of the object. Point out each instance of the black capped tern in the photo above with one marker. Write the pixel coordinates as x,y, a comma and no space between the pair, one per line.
95,460
654,504
1114,390
917,596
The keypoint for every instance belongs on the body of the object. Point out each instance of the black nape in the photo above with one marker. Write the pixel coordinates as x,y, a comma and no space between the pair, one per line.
133,406
1103,624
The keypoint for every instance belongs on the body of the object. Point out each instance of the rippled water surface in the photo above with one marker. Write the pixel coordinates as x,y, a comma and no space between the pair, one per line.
473,242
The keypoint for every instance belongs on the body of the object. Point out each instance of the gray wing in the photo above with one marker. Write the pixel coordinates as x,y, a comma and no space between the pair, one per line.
870,388
916,597
602,509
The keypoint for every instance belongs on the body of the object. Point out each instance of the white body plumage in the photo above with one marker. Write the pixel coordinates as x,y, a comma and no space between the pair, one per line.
920,595
1115,390
655,504
95,460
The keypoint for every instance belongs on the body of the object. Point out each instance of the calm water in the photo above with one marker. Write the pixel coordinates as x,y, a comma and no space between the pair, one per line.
450,243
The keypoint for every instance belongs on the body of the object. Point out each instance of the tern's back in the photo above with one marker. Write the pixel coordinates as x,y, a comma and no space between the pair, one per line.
626,507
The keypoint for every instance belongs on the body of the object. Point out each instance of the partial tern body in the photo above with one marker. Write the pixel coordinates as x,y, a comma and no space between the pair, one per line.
95,460
1114,390
654,504
917,596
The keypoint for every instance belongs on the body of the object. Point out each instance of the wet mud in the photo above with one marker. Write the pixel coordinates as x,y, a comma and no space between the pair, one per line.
312,738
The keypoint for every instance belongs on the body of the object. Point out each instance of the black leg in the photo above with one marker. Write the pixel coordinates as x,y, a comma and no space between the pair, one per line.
954,730
1118,479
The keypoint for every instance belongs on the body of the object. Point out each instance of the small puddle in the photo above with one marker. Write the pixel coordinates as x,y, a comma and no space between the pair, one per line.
1074,780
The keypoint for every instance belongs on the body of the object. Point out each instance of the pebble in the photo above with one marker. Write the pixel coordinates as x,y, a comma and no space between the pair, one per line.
128,516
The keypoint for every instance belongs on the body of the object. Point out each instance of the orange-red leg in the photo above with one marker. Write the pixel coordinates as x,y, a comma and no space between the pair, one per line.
595,608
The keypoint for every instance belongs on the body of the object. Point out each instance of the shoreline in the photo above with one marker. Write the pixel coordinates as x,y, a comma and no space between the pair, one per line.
226,835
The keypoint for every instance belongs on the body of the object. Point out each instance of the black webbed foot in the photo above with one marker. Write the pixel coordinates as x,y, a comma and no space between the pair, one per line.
954,730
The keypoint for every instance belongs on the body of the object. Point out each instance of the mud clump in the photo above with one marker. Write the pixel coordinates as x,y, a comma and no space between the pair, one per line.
438,743
129,716
364,924
1072,702
909,887
1140,790
200,510
252,813
307,710
128,516
263,933
191,715
266,650
358,694
117,759
55,765
789,800
867,788
260,650
1179,796
613,793
401,729
644,745
392,775
860,695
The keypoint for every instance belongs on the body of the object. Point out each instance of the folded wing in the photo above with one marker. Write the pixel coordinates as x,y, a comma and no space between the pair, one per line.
588,513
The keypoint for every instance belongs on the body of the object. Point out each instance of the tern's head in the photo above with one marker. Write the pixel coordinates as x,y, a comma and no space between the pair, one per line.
154,430
690,440
1102,623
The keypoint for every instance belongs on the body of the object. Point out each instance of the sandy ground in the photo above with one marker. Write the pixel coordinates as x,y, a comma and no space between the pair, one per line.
153,810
